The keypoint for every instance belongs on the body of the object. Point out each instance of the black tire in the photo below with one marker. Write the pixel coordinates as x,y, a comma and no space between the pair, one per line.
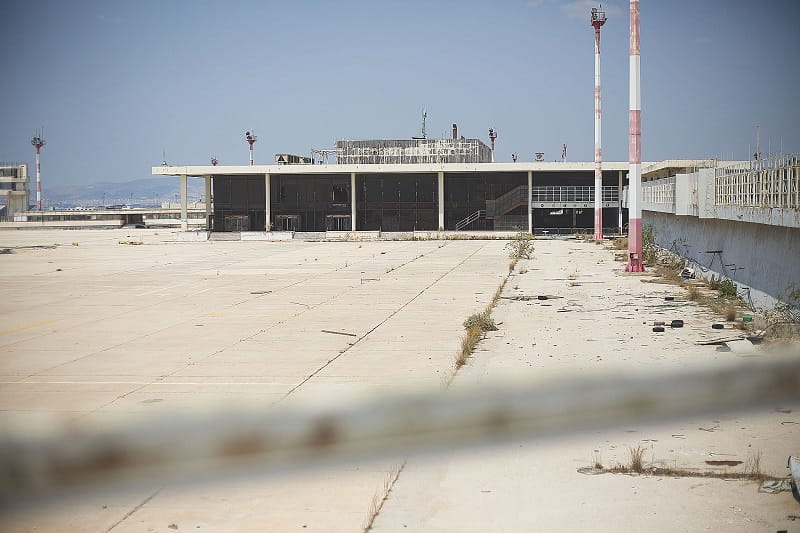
717,326
542,297
658,329
669,298
676,324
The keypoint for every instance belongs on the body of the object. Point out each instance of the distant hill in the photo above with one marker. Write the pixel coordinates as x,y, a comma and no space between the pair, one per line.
146,191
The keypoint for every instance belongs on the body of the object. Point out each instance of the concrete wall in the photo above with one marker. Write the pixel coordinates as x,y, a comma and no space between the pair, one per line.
770,255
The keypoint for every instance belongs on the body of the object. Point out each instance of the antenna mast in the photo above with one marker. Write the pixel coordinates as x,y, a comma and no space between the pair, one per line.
492,137
251,140
37,142
424,119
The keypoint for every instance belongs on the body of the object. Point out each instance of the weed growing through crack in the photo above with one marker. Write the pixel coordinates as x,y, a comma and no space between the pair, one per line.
636,455
380,497
483,321
468,343
520,246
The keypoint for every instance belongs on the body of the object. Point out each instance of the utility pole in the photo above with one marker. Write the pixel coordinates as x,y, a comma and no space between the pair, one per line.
598,19
635,263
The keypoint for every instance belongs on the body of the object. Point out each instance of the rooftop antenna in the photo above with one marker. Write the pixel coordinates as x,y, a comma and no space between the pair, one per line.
597,21
251,140
163,158
424,120
635,263
492,137
37,142
757,155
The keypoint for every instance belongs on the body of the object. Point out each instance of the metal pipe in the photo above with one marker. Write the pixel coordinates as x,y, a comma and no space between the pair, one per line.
635,262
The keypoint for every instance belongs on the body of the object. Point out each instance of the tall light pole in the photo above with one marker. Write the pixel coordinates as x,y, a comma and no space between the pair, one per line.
251,140
635,263
492,137
598,19
37,142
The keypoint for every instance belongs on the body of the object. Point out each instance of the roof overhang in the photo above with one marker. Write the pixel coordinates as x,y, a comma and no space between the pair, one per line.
415,168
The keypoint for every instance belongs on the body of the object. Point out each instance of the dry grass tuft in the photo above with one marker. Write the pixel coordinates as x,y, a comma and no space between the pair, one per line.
693,293
637,454
468,342
730,313
620,244
379,498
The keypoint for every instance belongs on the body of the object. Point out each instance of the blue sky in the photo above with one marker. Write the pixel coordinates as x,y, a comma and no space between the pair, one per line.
115,83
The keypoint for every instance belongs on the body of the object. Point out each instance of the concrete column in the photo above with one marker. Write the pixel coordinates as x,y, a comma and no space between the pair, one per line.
441,201
352,201
208,203
530,202
267,204
184,215
619,204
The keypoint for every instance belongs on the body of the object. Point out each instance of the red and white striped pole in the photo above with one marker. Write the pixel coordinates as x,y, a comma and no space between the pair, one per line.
635,151
598,19
37,143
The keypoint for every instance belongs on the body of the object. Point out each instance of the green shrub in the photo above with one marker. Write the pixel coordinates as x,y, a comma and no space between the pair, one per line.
726,287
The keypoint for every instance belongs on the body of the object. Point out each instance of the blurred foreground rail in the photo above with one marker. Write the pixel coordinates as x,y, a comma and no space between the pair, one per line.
46,461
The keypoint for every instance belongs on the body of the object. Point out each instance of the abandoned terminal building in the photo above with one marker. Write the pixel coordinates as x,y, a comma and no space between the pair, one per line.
407,185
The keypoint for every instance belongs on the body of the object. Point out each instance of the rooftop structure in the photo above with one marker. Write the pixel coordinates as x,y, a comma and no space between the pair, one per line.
411,151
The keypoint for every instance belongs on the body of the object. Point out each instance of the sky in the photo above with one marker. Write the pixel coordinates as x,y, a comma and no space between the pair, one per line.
115,84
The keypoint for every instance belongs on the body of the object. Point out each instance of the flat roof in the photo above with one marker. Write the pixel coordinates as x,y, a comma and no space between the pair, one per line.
535,166
649,169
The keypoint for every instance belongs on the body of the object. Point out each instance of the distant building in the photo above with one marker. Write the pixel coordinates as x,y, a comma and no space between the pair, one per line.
13,188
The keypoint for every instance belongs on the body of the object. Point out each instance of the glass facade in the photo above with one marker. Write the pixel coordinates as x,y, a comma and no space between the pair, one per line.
397,202
317,202
239,203
466,193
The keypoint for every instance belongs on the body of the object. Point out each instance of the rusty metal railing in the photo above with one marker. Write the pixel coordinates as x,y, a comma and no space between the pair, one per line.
42,462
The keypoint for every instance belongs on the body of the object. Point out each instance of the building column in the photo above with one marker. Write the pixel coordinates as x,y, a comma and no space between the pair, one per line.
353,201
619,203
184,215
530,202
441,201
208,203
267,204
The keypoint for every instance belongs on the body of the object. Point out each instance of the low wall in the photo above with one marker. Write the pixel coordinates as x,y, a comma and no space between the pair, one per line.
770,255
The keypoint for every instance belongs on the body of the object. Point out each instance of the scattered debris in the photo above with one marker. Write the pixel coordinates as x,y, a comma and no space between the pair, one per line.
669,298
721,340
717,326
338,333
74,244
710,430
261,292
676,324
132,243
6,251
774,486
783,410
658,329
723,463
